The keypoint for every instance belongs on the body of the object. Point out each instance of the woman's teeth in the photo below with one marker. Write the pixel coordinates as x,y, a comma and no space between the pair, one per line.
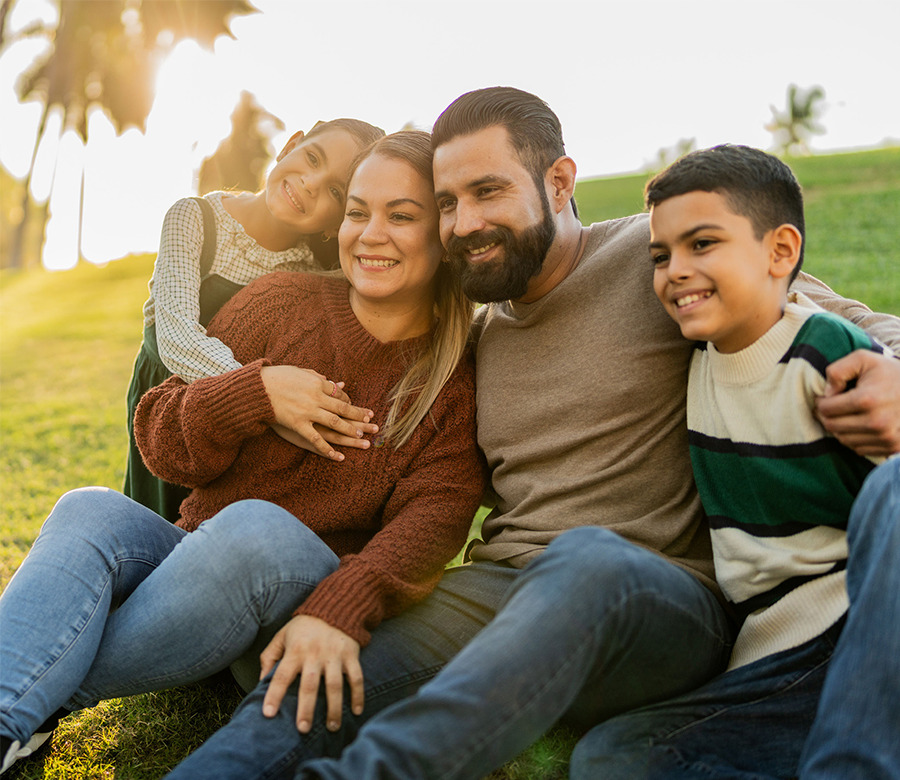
366,261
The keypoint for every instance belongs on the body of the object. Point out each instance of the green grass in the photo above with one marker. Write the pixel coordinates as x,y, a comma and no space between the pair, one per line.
67,343
852,219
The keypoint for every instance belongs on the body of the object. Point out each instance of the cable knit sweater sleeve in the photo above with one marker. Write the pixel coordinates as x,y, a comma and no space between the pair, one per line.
425,523
191,434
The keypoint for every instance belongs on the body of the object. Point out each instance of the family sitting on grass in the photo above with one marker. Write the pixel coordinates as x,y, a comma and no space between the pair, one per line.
693,553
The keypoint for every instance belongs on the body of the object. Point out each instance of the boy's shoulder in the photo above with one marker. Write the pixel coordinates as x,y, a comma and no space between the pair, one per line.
828,335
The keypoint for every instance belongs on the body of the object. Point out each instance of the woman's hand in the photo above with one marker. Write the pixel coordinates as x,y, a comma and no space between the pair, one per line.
312,648
313,412
332,437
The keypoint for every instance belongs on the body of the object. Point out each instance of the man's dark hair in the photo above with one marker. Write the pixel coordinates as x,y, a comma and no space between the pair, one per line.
756,185
534,130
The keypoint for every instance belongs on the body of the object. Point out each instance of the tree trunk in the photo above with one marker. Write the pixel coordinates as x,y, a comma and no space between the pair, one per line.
17,247
80,256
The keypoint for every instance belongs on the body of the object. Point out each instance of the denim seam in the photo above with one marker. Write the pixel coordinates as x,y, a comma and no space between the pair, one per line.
728,708
78,631
399,682
165,680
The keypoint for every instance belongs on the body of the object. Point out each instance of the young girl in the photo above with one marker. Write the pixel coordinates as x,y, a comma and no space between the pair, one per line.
113,600
210,248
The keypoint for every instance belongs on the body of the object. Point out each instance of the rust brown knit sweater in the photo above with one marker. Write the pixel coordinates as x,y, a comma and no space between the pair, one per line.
395,516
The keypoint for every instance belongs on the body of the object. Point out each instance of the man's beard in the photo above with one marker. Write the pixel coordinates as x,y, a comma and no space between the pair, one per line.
506,278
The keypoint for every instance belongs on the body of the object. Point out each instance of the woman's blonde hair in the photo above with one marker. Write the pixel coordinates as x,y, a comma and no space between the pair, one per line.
412,397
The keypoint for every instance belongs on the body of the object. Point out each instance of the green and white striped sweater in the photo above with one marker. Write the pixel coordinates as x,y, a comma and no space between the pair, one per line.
776,487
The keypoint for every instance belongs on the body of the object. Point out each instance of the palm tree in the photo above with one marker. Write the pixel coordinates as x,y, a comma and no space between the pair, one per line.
239,162
793,127
104,54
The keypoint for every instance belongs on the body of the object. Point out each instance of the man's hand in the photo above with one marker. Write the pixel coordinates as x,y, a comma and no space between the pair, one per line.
311,648
866,417
314,412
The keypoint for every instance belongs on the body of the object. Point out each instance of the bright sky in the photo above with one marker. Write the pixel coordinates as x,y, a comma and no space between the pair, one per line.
626,77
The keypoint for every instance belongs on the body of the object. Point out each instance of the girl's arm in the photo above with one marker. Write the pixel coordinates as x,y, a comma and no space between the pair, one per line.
190,434
183,344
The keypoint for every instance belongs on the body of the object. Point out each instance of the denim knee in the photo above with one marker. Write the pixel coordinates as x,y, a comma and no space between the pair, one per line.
601,557
89,508
253,536
874,520
880,497
885,479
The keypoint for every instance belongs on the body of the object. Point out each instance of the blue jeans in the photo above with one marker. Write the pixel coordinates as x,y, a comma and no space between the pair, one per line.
112,600
827,709
593,627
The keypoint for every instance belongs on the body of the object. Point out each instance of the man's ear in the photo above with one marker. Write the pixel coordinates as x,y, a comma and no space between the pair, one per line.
785,243
560,180
295,139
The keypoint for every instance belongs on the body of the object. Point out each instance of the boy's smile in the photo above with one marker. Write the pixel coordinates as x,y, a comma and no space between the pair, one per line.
715,277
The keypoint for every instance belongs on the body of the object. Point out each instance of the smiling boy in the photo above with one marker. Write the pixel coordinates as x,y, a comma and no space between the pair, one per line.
727,230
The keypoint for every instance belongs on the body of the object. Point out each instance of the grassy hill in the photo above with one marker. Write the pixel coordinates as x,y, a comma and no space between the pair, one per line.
67,343
852,219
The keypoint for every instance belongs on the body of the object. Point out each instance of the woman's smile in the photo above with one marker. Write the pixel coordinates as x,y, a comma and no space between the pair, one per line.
376,262
390,247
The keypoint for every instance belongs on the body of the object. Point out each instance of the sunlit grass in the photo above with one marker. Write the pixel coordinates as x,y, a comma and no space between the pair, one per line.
67,344
852,219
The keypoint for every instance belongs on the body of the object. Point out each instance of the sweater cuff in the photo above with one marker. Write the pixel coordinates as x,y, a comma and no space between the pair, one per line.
238,401
350,599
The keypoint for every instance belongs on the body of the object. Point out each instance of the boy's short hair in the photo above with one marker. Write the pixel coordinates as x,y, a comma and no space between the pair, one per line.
756,185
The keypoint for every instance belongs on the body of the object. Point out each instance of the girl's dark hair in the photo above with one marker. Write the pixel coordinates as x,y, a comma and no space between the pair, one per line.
364,133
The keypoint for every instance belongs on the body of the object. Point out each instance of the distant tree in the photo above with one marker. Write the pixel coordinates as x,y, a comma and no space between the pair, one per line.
104,54
240,161
668,154
793,127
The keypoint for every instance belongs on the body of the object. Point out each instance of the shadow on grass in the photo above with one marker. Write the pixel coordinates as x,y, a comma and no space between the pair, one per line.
138,738
144,737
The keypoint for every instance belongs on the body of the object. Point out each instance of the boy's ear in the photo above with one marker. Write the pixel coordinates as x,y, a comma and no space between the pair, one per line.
785,244
295,139
560,178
